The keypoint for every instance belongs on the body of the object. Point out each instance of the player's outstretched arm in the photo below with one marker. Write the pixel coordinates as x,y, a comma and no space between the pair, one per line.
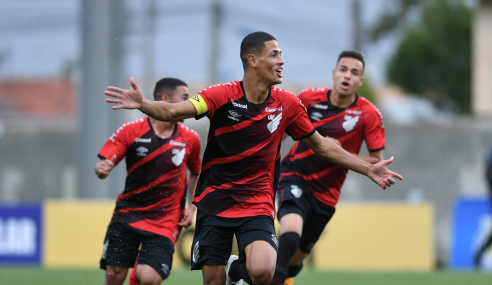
160,110
329,150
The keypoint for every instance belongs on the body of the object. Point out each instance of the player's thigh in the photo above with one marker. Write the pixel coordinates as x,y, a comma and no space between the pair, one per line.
212,242
146,274
121,245
315,222
256,238
261,257
291,222
157,252
292,207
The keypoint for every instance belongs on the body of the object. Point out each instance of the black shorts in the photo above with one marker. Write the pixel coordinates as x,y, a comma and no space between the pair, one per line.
121,246
295,198
212,243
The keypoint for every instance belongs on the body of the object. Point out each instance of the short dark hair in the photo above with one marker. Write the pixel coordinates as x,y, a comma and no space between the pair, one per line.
167,86
253,43
352,54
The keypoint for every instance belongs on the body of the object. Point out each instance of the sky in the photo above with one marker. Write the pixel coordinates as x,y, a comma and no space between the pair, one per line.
39,38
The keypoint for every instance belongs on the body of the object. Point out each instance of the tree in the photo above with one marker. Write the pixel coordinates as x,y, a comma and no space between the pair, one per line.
433,59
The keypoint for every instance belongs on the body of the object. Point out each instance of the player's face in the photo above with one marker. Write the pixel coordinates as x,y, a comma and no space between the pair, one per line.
270,62
347,76
180,95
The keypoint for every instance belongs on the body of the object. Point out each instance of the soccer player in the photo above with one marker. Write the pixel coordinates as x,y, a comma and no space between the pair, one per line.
236,190
309,185
150,212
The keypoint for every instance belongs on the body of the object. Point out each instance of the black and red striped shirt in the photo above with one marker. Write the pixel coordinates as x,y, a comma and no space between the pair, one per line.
359,121
241,162
156,174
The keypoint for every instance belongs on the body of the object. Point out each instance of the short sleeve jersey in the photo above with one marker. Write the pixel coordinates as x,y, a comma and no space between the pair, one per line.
359,121
155,185
241,163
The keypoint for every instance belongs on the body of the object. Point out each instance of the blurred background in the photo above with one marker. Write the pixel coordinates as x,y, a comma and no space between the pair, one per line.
428,70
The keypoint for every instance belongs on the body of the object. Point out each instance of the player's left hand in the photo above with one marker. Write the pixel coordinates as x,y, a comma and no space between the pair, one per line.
187,216
382,175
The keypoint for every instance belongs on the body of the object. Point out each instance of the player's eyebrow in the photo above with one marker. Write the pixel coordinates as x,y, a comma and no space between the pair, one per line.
344,66
276,51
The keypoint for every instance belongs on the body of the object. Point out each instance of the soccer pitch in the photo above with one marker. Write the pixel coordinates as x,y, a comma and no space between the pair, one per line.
28,276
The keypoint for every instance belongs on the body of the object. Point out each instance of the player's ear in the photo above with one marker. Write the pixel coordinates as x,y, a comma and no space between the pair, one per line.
252,60
165,97
333,75
362,79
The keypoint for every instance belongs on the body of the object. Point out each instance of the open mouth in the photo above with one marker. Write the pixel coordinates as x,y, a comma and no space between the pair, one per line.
345,85
279,72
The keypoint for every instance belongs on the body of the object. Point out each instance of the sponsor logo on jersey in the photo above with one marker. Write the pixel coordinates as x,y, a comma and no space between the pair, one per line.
183,144
349,123
274,109
274,238
319,106
141,140
354,112
271,117
196,255
273,125
316,116
244,106
296,191
142,151
178,158
234,115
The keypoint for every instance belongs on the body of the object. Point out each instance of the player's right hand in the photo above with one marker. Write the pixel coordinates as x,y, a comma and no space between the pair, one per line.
382,175
104,166
127,99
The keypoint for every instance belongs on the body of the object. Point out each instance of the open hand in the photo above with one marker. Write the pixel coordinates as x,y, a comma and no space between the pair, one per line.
127,99
103,167
187,216
382,175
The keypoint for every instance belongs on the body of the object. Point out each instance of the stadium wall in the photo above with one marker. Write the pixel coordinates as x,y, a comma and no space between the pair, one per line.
360,236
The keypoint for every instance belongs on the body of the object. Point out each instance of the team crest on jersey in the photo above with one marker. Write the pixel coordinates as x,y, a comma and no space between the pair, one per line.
142,151
275,121
350,122
178,156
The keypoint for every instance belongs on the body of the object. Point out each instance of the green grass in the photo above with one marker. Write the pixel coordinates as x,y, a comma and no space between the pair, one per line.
38,276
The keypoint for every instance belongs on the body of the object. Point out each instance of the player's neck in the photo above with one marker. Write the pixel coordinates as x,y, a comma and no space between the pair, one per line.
341,101
162,129
255,88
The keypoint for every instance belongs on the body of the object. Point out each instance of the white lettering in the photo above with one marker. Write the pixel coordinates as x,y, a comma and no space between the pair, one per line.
244,106
18,237
141,140
319,106
177,143
273,110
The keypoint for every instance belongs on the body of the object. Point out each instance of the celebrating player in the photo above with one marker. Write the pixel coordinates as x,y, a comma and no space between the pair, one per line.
237,186
309,185
150,211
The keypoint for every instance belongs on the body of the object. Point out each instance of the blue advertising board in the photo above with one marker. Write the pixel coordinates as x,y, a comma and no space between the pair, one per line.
472,222
20,234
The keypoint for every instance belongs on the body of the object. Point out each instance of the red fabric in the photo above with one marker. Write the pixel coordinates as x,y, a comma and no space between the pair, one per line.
359,122
241,162
156,175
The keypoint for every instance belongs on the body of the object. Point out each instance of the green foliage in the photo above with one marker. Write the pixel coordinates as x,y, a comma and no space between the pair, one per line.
433,59
367,91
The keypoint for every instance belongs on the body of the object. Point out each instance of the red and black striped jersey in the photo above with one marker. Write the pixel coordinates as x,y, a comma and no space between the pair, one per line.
241,163
359,121
156,180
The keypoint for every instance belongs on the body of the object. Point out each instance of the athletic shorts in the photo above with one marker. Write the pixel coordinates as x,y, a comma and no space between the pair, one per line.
121,246
212,243
295,198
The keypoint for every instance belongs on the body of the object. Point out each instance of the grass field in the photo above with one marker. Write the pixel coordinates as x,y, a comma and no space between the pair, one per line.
29,276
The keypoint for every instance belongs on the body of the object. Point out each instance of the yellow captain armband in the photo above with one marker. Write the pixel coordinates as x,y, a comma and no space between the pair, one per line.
200,105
